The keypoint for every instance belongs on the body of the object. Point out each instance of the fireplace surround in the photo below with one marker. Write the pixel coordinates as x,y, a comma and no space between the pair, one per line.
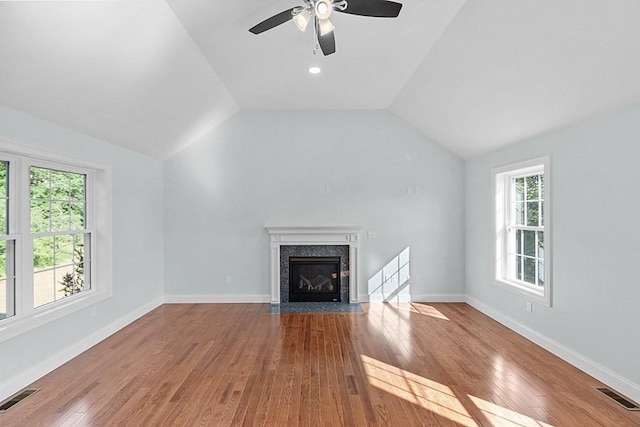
310,236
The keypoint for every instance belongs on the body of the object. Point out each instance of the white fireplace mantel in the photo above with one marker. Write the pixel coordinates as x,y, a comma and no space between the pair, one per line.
309,236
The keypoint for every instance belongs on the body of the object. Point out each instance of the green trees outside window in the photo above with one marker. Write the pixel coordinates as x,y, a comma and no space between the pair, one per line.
58,217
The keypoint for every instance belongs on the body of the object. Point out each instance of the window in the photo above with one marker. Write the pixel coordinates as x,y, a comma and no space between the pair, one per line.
55,237
522,260
61,241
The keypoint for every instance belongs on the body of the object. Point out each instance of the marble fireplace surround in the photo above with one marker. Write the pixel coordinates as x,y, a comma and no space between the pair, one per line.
341,235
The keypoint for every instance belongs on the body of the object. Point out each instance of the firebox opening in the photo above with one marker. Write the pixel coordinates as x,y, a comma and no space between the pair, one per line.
314,279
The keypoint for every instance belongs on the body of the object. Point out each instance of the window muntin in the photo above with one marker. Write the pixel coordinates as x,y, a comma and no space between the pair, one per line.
522,227
7,249
60,241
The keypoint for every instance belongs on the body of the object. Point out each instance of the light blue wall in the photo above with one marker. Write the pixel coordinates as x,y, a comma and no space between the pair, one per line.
262,168
595,203
137,240
266,168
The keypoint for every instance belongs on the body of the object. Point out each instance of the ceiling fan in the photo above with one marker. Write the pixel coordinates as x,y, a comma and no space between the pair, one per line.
319,11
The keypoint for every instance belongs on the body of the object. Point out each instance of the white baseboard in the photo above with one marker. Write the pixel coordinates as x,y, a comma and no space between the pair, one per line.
216,298
438,298
396,298
613,380
18,382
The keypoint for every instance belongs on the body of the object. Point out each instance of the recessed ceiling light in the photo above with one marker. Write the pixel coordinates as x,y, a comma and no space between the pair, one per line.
314,70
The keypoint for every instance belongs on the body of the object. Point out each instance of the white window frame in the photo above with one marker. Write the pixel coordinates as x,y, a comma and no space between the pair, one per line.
502,211
26,316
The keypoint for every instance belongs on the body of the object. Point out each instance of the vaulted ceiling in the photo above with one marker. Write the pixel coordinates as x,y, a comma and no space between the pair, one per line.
474,75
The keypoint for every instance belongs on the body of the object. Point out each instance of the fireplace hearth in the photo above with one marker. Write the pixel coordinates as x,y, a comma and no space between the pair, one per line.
314,279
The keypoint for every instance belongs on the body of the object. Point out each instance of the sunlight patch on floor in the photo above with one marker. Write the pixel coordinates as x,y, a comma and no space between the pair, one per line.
427,310
499,416
393,324
418,390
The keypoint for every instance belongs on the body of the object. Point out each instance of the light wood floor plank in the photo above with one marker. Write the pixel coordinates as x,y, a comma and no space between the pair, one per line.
237,364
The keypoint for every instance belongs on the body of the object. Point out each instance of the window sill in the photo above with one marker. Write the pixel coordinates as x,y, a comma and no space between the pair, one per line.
17,325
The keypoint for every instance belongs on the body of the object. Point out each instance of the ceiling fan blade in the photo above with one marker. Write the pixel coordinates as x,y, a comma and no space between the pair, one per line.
327,43
274,21
375,8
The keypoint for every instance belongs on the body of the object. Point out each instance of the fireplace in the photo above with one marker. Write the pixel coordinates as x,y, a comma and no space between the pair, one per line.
313,241
314,279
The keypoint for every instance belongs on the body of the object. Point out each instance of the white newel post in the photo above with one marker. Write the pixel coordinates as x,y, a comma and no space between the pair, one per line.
348,235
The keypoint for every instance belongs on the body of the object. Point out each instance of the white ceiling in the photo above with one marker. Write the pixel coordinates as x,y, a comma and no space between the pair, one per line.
474,75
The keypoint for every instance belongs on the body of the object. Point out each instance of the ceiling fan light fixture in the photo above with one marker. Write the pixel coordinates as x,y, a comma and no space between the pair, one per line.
302,19
325,26
323,9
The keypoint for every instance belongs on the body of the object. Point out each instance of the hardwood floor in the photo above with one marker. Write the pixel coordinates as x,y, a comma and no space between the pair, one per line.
394,365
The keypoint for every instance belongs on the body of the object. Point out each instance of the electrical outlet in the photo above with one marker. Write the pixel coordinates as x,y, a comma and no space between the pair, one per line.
529,307
371,234
227,279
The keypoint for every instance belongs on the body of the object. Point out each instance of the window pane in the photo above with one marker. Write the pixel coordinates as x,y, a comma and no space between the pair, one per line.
529,243
519,267
3,179
519,189
63,250
7,308
43,252
3,216
60,185
40,216
40,183
77,184
80,263
3,299
532,187
44,290
540,273
67,283
3,260
540,244
530,270
519,212
541,187
77,215
519,242
60,219
532,214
